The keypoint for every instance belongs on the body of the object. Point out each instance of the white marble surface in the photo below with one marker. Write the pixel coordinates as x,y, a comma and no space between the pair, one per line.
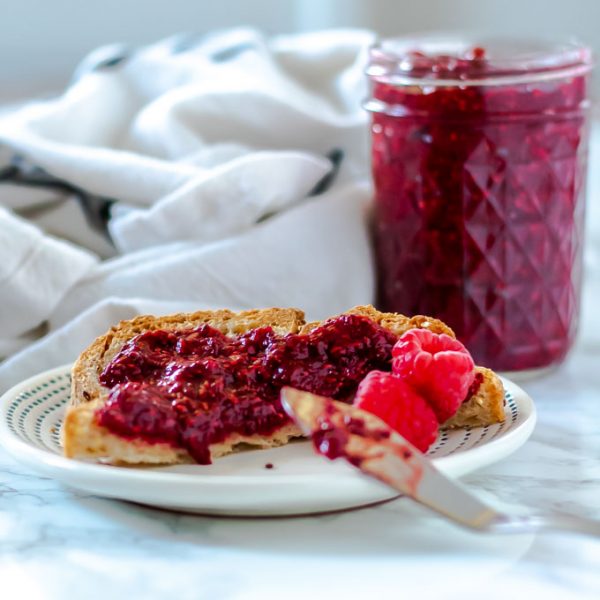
55,543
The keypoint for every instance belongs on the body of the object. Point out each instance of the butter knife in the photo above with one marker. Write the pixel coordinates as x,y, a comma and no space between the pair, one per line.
340,430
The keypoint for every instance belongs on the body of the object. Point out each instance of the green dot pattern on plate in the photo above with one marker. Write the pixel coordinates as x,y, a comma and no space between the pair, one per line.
36,414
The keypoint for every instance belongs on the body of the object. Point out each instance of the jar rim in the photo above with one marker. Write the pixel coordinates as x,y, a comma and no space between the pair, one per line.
460,60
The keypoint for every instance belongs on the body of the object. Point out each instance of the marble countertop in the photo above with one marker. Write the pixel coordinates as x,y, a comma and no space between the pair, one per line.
55,542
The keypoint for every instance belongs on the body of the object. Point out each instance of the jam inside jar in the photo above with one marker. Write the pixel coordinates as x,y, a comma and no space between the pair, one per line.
479,158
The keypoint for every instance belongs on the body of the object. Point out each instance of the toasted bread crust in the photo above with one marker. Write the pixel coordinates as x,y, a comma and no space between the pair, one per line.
394,322
85,386
84,438
485,407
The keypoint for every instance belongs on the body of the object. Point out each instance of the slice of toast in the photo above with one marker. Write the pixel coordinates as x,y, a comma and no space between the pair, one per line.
83,437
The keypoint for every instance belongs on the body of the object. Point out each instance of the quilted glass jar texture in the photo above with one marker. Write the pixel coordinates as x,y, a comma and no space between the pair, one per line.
479,163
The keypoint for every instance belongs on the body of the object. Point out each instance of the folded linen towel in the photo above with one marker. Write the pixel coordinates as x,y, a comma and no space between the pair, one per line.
205,163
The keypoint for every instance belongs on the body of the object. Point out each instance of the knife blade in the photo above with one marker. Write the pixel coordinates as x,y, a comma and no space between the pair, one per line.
340,430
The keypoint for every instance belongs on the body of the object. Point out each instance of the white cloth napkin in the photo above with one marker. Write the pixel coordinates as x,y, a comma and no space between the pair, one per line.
211,149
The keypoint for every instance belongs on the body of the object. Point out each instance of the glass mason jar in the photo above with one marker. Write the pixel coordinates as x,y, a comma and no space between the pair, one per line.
479,164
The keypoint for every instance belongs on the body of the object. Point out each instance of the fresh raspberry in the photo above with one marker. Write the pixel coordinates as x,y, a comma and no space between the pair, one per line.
396,403
437,366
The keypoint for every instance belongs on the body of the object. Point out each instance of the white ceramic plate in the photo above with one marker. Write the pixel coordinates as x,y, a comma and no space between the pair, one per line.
300,482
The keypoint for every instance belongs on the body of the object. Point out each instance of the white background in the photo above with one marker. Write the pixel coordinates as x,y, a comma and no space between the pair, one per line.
41,41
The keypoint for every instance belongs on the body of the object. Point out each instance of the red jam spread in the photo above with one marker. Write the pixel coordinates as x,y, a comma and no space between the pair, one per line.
330,439
474,387
479,172
195,387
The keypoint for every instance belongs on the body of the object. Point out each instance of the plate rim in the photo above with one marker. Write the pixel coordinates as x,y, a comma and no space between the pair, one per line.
46,461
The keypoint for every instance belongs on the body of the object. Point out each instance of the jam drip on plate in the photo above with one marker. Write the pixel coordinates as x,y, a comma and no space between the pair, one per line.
196,387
